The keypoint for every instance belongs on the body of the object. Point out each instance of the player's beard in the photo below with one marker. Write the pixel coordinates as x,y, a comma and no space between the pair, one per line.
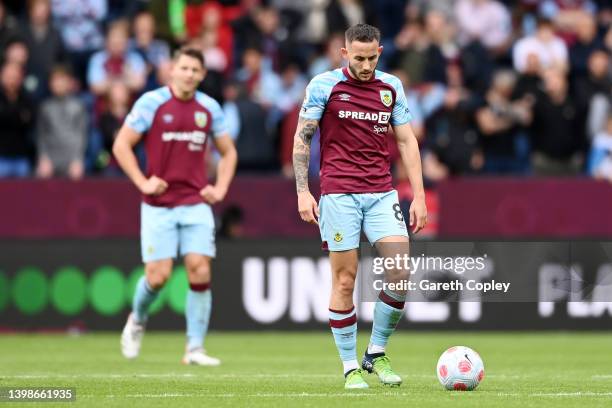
356,73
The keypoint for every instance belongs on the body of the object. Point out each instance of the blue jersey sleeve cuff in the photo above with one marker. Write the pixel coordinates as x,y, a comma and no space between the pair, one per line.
312,116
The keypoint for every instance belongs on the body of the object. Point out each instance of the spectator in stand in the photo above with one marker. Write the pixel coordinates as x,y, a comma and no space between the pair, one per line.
587,41
442,48
262,85
209,20
17,52
255,145
418,8
272,35
486,21
600,157
591,93
558,136
291,94
118,102
501,121
529,81
332,58
61,131
116,63
9,29
155,52
341,14
16,115
45,46
452,137
567,15
214,56
80,23
412,46
550,50
596,81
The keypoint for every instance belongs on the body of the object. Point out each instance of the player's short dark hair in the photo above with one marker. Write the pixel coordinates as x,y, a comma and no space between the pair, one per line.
190,52
362,32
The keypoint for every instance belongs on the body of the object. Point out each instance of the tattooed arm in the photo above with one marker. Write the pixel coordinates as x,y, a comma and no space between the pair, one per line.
307,205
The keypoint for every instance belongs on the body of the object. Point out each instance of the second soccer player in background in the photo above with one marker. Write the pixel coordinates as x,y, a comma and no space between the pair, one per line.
175,123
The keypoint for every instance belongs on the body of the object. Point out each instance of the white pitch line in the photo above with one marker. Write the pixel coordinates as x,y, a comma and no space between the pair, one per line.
602,377
51,376
573,394
261,395
244,376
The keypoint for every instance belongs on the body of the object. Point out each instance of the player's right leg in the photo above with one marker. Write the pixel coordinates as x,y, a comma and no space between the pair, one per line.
340,224
342,314
147,290
159,244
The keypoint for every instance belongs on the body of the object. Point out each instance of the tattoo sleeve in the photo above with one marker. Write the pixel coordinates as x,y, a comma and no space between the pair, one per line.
301,151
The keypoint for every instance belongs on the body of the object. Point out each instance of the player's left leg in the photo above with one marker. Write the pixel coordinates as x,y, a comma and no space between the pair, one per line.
197,309
197,245
384,226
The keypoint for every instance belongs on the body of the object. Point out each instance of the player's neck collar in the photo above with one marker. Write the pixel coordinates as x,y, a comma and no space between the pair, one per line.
347,74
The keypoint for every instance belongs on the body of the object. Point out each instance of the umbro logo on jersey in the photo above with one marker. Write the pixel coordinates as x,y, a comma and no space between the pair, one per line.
168,118
344,97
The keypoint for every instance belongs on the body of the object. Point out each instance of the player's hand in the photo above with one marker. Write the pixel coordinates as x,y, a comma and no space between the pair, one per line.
154,186
418,214
212,194
308,207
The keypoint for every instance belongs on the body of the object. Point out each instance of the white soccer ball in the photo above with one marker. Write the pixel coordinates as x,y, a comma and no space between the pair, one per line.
460,368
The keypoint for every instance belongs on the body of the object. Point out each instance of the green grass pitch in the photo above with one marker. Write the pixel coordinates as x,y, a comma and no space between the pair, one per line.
273,369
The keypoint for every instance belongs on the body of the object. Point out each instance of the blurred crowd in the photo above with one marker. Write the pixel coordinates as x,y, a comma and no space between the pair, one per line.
495,87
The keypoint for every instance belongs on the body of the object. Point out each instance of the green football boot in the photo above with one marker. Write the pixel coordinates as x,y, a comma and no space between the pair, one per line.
380,364
354,380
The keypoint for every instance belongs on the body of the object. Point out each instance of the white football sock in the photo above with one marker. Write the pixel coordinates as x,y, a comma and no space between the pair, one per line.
350,365
374,349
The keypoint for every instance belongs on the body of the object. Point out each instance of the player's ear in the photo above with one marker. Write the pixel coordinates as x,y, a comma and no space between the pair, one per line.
380,50
344,53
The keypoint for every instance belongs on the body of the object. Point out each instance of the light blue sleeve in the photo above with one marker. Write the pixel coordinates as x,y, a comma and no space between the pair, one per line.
317,93
142,114
401,114
219,124
232,118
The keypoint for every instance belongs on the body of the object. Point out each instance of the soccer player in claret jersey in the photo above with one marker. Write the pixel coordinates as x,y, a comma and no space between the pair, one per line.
353,108
175,123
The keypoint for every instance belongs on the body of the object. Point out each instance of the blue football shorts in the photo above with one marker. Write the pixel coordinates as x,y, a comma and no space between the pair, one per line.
343,217
164,231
